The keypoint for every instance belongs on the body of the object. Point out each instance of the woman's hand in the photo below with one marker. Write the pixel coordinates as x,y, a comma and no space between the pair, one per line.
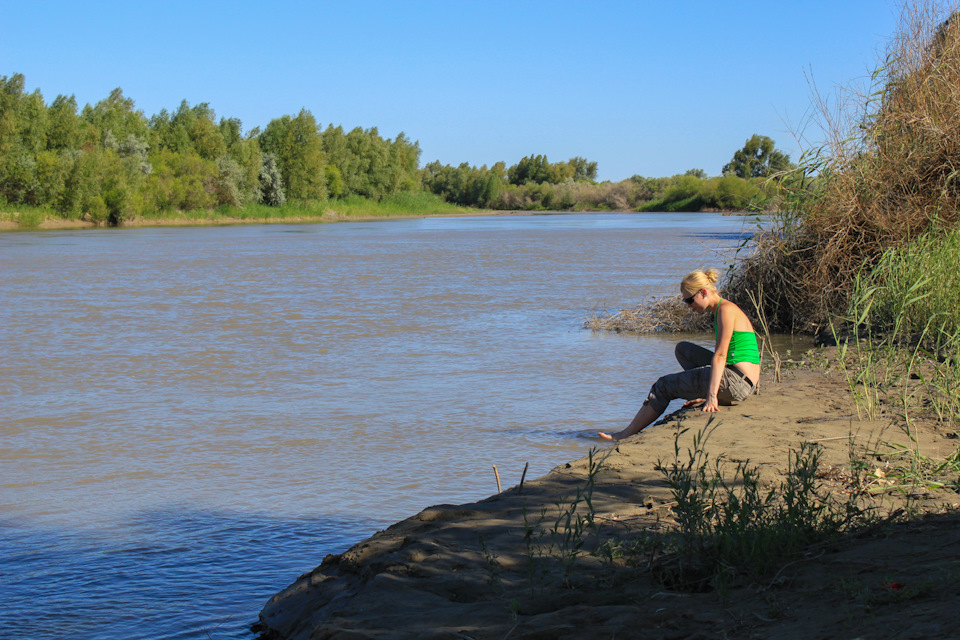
712,405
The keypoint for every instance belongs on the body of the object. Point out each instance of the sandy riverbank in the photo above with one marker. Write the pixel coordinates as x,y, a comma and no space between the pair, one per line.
430,576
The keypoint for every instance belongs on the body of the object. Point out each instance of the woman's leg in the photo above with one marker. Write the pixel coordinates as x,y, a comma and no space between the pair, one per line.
643,419
690,384
691,356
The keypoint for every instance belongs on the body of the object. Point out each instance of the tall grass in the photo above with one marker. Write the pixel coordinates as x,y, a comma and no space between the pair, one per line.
915,288
900,352
560,536
727,527
906,329
731,527
24,216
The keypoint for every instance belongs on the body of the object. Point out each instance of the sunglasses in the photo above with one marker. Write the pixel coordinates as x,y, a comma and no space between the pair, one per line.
690,299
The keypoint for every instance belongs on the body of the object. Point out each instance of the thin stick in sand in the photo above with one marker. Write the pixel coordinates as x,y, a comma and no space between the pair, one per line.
522,476
497,473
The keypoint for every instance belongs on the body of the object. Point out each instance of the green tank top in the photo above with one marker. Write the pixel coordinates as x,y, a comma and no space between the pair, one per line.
743,344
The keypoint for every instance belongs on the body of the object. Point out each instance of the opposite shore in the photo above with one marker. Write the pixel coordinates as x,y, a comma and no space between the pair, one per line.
61,223
10,222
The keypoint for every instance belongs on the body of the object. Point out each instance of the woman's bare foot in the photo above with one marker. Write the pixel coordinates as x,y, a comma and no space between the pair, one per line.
693,403
645,417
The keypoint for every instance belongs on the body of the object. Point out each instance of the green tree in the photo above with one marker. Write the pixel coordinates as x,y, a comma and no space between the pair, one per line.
370,165
11,94
538,170
32,118
404,164
490,189
82,184
206,137
335,184
296,144
334,142
23,130
583,169
246,152
51,171
191,129
118,115
231,131
230,182
64,128
535,169
759,158
375,180
181,182
365,160
169,135
271,182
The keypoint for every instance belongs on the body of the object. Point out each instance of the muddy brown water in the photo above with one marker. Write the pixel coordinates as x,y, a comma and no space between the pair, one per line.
191,417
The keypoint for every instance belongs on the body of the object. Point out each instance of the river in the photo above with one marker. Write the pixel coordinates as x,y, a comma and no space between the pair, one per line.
192,417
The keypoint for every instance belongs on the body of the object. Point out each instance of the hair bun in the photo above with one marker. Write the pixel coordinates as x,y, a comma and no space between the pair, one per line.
697,280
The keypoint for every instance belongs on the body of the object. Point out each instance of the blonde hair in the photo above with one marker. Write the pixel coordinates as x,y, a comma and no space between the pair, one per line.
700,279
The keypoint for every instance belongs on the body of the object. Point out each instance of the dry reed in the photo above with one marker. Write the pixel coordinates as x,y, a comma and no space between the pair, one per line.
667,314
885,175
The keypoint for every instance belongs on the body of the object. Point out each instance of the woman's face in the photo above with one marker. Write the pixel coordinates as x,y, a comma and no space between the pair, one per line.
695,301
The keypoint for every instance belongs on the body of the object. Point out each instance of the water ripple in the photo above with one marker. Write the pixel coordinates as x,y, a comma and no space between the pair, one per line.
293,387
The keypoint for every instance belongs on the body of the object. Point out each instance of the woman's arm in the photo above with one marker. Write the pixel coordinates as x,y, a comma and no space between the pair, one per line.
726,318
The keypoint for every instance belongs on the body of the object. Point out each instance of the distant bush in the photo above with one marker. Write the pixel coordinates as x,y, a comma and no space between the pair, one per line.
416,202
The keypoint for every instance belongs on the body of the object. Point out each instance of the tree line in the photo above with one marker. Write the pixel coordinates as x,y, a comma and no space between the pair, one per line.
534,183
108,162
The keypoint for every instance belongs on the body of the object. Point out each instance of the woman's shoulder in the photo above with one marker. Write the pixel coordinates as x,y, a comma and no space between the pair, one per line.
728,309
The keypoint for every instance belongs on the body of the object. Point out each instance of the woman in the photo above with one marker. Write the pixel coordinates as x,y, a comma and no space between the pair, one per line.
730,373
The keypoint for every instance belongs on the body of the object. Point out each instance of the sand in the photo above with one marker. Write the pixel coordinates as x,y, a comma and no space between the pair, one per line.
464,571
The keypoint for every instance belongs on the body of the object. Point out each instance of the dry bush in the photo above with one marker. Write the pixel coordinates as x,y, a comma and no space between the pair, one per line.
617,196
667,314
579,193
886,174
513,199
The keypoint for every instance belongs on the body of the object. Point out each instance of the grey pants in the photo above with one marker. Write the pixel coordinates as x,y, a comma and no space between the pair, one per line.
694,381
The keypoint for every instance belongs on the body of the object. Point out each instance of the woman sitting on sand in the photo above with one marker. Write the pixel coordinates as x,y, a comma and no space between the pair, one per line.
729,373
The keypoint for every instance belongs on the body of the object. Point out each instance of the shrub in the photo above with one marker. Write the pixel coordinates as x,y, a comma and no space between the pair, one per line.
886,175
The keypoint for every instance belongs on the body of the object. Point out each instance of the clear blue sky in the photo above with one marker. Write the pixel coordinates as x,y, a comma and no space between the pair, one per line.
643,87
